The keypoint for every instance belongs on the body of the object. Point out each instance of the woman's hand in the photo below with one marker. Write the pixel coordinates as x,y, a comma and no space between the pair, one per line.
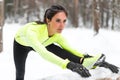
75,67
112,67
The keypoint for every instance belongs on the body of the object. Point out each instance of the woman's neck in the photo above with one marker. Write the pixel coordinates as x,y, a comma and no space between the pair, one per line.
49,32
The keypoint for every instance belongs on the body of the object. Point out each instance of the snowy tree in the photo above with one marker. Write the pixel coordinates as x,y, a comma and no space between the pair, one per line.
1,23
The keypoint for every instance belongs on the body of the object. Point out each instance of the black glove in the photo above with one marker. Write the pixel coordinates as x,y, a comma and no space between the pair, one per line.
87,56
112,67
79,69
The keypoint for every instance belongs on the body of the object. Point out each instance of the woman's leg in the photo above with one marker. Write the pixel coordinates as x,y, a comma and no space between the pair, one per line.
63,53
20,55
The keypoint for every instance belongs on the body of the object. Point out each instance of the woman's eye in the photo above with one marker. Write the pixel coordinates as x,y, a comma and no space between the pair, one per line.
64,21
58,20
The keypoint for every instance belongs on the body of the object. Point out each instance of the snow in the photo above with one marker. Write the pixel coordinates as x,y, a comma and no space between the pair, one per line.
82,39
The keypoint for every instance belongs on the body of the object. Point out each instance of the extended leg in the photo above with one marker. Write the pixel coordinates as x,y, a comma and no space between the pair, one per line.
20,55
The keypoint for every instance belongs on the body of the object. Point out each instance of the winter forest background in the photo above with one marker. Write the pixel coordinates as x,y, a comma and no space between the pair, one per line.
93,14
94,25
88,12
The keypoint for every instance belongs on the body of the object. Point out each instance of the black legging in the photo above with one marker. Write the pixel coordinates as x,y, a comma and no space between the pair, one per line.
21,52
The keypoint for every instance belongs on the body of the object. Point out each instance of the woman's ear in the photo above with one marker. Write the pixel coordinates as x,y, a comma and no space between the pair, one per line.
47,21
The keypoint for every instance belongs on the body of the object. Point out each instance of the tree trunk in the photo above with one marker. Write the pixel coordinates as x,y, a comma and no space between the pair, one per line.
16,2
76,8
84,12
95,17
1,24
101,13
113,3
107,14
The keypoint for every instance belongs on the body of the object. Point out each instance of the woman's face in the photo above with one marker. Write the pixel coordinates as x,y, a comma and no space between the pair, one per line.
57,23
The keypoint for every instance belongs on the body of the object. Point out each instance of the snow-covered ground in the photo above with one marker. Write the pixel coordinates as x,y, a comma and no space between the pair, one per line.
107,42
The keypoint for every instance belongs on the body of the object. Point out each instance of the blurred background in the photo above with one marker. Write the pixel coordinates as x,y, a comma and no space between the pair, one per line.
92,14
94,26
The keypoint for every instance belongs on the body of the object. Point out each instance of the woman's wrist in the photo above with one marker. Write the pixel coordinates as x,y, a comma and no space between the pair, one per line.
81,60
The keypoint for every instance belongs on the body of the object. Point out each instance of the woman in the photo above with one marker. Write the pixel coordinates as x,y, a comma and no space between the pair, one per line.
41,36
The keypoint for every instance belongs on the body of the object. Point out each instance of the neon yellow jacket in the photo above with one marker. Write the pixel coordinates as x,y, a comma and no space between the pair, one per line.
36,36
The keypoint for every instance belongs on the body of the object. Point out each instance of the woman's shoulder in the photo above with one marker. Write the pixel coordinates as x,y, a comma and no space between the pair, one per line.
34,24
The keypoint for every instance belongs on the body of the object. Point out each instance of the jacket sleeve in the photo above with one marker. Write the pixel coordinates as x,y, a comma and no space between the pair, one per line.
38,47
65,45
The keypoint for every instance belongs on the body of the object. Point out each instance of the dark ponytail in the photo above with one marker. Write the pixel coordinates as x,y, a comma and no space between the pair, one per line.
39,22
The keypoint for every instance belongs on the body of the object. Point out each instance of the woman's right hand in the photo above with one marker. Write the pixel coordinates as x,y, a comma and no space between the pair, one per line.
75,67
